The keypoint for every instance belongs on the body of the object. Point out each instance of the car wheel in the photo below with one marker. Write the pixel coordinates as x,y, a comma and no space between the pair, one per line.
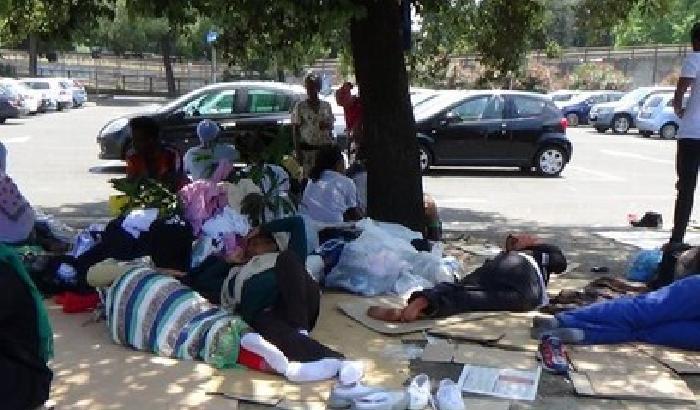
2,120
668,131
572,119
425,158
621,124
601,130
550,161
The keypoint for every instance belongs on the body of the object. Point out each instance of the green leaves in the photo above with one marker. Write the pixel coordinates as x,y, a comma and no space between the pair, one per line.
146,193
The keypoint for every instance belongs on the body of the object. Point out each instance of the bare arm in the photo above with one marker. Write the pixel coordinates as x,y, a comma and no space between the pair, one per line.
681,88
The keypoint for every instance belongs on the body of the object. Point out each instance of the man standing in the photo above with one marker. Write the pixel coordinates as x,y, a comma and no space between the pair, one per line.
688,154
312,120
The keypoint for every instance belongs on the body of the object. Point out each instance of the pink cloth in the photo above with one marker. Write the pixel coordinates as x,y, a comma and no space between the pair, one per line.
204,198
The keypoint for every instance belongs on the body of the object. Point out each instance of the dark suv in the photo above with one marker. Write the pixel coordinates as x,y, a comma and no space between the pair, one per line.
493,128
241,109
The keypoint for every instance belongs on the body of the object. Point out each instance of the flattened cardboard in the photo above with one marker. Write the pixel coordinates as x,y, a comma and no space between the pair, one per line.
680,361
467,353
637,384
509,330
624,359
477,403
356,308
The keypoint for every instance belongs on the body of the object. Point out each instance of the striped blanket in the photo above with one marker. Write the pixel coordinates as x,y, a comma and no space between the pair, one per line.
153,312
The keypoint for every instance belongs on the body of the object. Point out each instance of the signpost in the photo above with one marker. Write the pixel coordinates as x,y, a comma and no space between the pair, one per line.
211,39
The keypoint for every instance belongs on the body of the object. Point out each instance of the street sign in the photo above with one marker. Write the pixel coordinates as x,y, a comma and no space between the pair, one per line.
211,36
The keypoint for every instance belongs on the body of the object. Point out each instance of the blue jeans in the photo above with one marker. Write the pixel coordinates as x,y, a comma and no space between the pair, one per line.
669,316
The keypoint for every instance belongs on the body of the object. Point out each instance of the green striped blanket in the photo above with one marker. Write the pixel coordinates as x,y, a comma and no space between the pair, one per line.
153,312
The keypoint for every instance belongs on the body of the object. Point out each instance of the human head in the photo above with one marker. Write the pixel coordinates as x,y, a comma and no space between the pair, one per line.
328,158
550,259
312,83
344,94
144,133
695,36
207,131
260,244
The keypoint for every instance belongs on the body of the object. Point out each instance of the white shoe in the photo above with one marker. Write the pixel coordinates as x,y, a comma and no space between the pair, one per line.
343,395
449,396
382,400
351,372
419,392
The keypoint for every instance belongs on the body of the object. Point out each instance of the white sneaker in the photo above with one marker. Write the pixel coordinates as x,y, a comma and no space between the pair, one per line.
382,400
449,396
343,395
419,392
351,372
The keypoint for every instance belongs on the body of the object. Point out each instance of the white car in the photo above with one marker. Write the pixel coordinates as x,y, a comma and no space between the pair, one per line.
31,100
57,91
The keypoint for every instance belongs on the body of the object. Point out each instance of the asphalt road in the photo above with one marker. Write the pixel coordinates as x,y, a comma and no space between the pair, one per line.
53,158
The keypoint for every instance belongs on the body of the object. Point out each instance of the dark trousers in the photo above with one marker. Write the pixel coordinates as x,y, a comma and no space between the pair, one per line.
687,163
508,282
296,309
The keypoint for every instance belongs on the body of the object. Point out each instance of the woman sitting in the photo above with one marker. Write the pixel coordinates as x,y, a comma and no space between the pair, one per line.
26,338
330,196
16,214
669,316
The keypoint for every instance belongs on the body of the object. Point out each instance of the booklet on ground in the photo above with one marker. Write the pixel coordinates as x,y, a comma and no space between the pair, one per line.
504,383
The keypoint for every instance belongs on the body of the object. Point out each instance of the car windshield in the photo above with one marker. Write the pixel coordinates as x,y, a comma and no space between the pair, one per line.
178,101
633,97
436,104
654,101
579,98
563,96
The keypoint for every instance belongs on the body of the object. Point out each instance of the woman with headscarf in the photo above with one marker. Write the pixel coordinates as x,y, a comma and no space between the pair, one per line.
16,214
201,161
312,121
26,338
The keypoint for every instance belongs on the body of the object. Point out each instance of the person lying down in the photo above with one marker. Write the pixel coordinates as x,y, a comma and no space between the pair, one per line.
153,312
515,280
669,316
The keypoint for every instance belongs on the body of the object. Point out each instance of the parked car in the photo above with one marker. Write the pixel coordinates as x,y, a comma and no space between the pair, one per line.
657,117
30,99
240,108
493,128
576,110
10,104
77,89
620,116
60,95
43,90
561,96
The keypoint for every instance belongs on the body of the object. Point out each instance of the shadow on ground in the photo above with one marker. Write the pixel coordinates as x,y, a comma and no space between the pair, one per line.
80,215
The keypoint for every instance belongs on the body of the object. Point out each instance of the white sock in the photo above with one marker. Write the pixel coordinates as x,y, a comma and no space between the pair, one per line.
272,355
323,369
351,372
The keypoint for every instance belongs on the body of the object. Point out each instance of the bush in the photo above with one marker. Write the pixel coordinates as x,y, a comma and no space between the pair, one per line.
598,76
553,50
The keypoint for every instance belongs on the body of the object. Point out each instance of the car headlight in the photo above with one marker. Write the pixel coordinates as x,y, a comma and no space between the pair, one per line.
115,126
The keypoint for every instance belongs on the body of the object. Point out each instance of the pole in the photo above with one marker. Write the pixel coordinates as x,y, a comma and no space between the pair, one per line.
213,63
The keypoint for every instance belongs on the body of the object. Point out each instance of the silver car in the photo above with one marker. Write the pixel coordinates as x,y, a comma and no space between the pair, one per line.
620,116
657,117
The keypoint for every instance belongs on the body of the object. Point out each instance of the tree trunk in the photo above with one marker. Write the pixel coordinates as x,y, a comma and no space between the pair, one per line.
33,54
165,44
394,183
281,76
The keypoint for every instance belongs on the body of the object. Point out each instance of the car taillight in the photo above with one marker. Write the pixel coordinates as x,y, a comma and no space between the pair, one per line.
564,123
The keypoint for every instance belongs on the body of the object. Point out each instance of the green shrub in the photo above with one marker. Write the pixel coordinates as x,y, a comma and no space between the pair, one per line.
598,76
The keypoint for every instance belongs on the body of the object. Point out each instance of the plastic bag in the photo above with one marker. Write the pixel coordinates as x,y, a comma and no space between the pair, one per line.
87,239
644,265
368,274
408,283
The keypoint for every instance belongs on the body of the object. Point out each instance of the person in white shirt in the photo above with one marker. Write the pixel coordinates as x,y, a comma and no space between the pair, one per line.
330,196
201,161
688,154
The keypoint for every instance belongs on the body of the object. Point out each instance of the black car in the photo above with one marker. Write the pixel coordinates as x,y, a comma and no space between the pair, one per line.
240,108
493,128
9,104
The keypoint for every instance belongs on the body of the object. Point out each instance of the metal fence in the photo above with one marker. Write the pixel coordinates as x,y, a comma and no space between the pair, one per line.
147,75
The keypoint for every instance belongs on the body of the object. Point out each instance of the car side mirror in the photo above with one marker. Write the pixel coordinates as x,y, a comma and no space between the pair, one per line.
449,118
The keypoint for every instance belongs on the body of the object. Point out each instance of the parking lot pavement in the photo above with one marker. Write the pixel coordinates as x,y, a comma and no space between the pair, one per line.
53,158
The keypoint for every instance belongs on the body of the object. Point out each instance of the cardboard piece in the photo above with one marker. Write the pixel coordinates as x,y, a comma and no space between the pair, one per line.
477,403
356,308
616,358
680,361
467,353
508,330
637,384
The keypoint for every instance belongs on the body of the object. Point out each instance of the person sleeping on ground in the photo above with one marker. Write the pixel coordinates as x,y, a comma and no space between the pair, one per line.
150,311
669,316
515,280
26,338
